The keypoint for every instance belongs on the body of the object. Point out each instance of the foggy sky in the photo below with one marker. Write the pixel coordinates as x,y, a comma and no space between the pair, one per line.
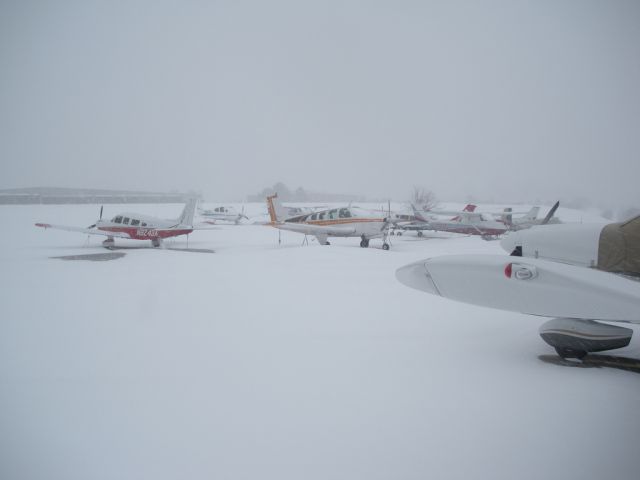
512,100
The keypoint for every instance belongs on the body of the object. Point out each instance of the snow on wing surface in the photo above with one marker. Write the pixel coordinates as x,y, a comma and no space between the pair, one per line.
526,285
316,229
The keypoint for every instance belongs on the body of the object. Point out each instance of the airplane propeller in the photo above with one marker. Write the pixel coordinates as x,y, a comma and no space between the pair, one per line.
101,208
242,215
551,213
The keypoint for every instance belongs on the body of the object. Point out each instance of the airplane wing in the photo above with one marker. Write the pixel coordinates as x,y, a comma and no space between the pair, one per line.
527,285
416,226
88,231
308,229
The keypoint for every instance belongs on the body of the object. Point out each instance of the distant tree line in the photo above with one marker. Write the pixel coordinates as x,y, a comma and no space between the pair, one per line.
285,194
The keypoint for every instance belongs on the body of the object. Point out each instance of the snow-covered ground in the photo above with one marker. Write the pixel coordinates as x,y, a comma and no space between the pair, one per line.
281,361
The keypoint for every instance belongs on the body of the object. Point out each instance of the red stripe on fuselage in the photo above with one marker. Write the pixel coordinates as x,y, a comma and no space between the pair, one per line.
145,233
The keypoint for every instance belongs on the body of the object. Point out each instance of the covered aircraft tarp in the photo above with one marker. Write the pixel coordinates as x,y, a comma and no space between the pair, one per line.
619,247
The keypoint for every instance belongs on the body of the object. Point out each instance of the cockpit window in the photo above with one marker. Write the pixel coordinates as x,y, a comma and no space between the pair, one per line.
135,222
125,221
118,219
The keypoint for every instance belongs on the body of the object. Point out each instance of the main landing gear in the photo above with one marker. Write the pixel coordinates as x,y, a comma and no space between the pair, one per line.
156,242
364,243
108,243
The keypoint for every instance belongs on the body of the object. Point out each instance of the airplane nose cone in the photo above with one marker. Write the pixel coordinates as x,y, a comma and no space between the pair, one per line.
416,275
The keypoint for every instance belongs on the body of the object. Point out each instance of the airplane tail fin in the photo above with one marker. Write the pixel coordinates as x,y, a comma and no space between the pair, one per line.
470,207
417,214
507,216
276,211
186,217
532,214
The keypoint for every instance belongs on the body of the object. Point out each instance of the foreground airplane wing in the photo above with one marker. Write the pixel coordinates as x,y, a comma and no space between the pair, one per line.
527,285
88,231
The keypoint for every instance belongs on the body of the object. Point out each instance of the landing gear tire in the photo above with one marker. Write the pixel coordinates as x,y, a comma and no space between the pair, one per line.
156,242
327,243
108,243
399,234
385,246
420,234
364,243
570,353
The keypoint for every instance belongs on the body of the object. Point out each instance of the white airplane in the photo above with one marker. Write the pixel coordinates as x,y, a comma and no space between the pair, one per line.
224,214
576,273
467,222
528,219
336,222
419,222
136,226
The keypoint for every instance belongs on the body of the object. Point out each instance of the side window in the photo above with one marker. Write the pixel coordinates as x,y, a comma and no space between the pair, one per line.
143,224
344,213
135,222
333,214
321,215
118,219
314,216
125,221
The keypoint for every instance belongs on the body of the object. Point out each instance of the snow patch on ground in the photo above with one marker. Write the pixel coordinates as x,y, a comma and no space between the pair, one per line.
277,360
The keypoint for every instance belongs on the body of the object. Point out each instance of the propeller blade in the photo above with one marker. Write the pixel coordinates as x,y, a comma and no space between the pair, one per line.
551,213
101,208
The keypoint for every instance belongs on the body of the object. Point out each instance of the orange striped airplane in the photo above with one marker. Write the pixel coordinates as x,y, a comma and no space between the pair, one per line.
336,222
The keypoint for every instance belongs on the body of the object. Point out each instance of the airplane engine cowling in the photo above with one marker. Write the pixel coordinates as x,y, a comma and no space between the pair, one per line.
613,247
573,337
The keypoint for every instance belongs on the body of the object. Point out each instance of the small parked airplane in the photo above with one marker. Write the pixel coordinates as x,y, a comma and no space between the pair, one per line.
467,222
225,214
336,222
135,226
529,219
576,273
419,222
470,222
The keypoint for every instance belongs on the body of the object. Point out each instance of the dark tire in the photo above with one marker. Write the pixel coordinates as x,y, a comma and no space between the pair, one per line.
363,244
420,234
571,353
327,243
385,246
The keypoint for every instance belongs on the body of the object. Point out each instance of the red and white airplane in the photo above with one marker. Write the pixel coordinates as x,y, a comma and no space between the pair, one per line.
135,226
576,273
336,222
